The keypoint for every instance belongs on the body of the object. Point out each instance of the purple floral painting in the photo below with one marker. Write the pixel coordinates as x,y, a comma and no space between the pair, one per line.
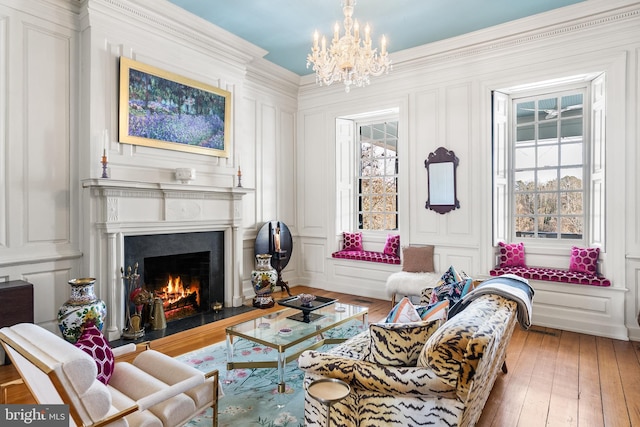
164,110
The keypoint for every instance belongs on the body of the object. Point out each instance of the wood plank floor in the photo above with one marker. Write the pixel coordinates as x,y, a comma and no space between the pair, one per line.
556,378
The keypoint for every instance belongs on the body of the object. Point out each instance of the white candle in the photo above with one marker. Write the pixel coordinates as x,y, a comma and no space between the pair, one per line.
277,239
105,139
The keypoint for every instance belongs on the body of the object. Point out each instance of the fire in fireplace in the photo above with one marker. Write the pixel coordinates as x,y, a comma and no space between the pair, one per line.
185,270
177,293
180,281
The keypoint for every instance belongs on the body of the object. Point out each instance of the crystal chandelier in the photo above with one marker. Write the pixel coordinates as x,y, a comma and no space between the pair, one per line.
348,59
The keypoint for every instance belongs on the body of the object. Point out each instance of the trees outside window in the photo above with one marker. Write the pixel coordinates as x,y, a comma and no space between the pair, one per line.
549,166
548,161
378,176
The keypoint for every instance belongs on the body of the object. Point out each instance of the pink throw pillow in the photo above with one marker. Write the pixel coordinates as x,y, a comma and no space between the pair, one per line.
512,254
584,260
392,245
93,343
351,241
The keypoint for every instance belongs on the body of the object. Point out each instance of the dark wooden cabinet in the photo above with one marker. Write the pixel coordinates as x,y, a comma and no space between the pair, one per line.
16,302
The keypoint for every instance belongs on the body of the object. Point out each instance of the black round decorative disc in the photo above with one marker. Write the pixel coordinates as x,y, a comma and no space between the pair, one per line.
275,238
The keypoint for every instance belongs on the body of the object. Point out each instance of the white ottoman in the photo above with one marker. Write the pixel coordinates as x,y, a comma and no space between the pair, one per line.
410,284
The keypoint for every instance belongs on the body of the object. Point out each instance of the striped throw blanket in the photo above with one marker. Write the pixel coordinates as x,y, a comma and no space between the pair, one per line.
508,286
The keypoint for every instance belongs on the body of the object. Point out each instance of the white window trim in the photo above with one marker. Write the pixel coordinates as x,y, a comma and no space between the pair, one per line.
347,175
594,227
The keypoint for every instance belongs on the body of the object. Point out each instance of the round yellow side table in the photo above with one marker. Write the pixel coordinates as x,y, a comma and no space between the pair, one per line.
328,391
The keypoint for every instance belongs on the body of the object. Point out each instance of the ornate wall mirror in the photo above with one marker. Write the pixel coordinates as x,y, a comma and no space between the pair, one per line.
441,181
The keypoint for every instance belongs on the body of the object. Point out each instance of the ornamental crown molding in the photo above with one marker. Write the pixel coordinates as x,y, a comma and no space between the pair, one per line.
564,21
173,21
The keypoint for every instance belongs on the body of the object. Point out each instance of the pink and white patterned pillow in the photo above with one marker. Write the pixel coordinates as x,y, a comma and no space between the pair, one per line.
584,260
512,254
403,312
351,241
93,343
392,245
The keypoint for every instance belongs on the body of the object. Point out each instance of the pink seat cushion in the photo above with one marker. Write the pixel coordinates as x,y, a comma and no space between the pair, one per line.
553,275
368,256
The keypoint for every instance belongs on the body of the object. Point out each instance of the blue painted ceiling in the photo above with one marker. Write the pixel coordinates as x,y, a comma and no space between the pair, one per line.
285,28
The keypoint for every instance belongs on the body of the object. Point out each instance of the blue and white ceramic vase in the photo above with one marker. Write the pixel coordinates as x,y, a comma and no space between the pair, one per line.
82,306
264,279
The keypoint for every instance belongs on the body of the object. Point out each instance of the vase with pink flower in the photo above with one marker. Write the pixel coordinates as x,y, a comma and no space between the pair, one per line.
82,306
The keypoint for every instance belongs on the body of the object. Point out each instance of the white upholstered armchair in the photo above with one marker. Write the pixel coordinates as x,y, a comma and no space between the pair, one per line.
153,390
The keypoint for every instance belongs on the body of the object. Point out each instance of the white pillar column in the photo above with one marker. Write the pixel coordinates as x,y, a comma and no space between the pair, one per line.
113,314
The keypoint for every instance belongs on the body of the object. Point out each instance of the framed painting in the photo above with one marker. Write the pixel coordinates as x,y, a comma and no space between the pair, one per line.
164,110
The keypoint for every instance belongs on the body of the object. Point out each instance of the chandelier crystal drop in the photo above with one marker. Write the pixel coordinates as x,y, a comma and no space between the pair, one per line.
349,59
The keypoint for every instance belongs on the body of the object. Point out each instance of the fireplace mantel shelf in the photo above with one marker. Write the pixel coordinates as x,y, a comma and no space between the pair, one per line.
162,186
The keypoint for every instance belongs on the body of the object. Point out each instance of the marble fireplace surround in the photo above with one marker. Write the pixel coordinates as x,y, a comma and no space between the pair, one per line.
126,208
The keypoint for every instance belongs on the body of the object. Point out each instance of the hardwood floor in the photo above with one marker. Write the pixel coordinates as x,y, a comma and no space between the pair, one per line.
556,378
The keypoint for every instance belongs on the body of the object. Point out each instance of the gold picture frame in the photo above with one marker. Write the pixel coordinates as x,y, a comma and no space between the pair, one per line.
162,109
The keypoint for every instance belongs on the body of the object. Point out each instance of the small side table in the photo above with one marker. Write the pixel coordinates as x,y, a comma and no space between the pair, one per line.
328,391
17,302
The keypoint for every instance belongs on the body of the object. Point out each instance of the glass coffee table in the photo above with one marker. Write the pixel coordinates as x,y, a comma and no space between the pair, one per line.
290,337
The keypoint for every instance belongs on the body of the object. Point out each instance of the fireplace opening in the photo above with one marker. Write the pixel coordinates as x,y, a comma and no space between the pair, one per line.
185,270
181,281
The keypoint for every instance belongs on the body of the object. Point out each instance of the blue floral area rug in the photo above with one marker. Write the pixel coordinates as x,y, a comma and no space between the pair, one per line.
251,396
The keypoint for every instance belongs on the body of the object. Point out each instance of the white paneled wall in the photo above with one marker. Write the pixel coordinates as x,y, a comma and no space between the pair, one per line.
447,87
59,94
39,192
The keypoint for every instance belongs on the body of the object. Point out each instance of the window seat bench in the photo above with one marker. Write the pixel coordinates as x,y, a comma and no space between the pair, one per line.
553,275
571,301
371,256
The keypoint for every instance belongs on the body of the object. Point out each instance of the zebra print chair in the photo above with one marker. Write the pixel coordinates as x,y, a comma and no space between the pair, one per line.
416,375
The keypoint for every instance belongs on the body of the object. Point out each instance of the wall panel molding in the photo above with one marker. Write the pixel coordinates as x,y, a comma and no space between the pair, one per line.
4,84
47,130
632,312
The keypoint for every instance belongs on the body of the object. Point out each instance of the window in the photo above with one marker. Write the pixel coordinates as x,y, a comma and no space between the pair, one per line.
548,166
367,172
548,153
378,176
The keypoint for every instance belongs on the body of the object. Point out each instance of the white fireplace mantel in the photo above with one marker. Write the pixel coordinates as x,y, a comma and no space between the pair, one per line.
125,208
